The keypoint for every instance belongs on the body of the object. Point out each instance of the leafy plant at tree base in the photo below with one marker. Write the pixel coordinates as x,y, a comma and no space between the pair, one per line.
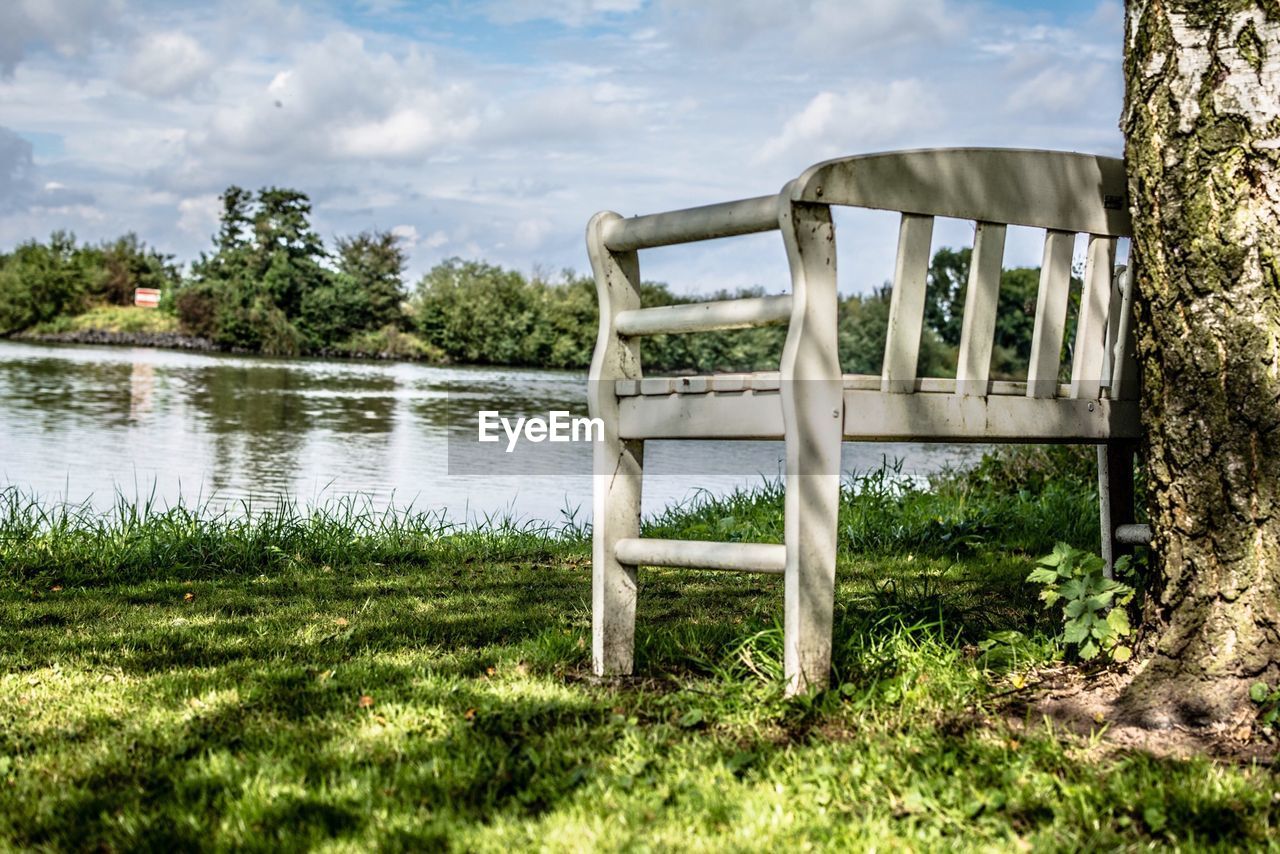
1093,606
1268,702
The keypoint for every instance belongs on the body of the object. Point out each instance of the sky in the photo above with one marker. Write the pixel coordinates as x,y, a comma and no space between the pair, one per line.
494,129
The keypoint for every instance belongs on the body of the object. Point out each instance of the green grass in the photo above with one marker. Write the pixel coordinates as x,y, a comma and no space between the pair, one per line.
111,318
357,680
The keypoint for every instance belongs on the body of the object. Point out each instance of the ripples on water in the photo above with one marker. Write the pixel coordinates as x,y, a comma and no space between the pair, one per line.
81,423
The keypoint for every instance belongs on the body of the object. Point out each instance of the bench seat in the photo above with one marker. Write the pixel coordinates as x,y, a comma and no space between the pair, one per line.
770,381
749,406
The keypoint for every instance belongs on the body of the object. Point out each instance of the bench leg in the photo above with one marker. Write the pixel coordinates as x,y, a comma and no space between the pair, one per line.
812,414
812,508
616,511
1115,497
617,464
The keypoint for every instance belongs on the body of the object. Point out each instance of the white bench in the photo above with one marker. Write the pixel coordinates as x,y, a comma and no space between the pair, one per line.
813,406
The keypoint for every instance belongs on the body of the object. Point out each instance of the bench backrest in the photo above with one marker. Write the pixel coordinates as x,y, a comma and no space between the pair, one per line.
1062,192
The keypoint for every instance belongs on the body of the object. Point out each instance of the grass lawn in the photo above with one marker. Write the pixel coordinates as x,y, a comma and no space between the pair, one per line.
356,682
111,318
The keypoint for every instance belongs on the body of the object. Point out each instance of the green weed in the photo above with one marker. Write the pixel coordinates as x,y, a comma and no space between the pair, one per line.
1094,619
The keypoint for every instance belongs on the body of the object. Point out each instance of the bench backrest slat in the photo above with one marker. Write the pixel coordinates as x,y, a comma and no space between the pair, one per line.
1091,328
1051,314
1123,348
906,305
978,332
1115,298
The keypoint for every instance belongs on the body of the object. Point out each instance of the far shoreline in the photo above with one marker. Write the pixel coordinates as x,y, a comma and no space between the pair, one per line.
162,340
194,344
180,343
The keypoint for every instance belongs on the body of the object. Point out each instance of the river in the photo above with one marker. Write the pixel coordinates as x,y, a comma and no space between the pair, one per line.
89,424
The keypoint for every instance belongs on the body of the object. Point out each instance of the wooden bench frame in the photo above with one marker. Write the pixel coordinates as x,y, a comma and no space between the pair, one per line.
813,407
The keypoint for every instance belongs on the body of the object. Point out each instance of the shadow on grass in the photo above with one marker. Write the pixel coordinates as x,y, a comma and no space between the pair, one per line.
514,756
684,618
242,719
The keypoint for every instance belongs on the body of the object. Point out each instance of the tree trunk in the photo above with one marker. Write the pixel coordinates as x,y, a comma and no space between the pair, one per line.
1202,147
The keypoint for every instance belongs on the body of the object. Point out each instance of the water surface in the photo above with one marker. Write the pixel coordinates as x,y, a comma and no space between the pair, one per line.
84,423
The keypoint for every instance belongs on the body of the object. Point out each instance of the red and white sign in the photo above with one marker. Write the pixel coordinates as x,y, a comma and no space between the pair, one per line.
146,297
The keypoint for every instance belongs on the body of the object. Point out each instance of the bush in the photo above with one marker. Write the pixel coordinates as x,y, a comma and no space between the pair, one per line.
863,328
389,342
197,309
39,282
481,313
1009,469
331,312
126,264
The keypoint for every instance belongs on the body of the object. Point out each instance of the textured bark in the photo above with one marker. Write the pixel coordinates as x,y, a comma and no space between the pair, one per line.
1202,131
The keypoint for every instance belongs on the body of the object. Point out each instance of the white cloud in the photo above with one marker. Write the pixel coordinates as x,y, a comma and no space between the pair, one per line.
199,215
1061,89
841,123
408,131
166,64
1108,15
22,189
531,233
67,26
339,100
809,28
729,23
612,93
55,195
17,172
575,114
127,146
1030,46
407,234
498,141
571,13
82,212
839,25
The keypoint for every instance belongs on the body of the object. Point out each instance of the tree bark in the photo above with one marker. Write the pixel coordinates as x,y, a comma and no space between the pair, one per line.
1202,147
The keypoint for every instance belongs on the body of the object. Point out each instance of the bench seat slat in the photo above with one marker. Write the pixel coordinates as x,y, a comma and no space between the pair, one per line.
724,383
871,415
742,415
771,381
1040,189
1005,418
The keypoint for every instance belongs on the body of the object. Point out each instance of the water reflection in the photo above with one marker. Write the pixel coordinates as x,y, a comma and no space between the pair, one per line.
142,384
85,423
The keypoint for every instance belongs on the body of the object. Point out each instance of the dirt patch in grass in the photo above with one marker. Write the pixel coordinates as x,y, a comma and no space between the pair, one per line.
1088,704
